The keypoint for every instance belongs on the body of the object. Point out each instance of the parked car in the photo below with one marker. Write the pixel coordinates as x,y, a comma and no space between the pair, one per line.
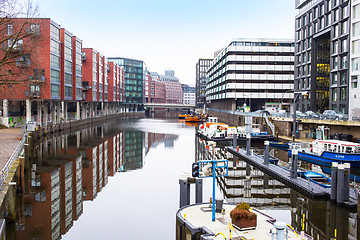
299,115
311,115
281,114
356,118
333,115
261,113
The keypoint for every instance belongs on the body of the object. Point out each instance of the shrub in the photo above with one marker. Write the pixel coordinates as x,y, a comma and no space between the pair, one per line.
241,211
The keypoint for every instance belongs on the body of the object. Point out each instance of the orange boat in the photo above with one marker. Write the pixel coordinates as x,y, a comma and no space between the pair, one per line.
192,118
183,116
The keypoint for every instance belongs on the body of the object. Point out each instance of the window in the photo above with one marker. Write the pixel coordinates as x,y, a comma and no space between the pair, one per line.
55,90
334,94
334,78
54,61
54,46
343,28
68,78
40,197
68,66
354,81
356,29
9,29
336,30
344,45
356,47
335,63
356,11
336,15
68,91
344,62
343,78
355,64
54,78
342,94
335,47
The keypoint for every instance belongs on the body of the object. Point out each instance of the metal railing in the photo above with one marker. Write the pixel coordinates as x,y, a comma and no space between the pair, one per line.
14,156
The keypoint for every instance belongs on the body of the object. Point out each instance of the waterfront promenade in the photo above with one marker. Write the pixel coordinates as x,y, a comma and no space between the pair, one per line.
9,139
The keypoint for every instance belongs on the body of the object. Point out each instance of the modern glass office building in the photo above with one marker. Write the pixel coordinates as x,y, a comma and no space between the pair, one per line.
133,80
251,72
201,67
322,54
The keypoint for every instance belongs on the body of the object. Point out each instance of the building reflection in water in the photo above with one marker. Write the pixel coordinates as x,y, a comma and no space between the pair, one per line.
250,185
65,170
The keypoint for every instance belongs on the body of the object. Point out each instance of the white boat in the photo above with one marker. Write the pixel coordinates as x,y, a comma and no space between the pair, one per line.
195,222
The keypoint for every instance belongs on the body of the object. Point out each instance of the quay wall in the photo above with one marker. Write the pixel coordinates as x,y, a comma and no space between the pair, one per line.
283,126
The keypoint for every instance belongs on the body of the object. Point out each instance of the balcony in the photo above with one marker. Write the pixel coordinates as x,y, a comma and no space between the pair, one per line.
85,85
38,75
32,94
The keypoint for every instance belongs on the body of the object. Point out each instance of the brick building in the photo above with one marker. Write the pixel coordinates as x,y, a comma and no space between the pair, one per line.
54,78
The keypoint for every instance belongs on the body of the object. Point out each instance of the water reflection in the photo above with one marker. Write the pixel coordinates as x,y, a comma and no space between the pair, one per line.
320,218
65,170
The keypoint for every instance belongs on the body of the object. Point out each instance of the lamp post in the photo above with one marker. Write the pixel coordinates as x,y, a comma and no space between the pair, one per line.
296,96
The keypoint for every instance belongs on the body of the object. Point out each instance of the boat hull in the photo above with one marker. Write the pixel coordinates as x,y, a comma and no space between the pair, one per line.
280,145
327,158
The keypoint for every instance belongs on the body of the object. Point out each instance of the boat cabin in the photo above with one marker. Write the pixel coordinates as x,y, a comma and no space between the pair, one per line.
212,120
319,146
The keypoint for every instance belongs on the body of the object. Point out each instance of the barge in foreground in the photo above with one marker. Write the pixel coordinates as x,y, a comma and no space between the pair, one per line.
194,222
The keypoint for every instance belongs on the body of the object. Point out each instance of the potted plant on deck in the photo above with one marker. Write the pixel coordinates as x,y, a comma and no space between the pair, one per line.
242,218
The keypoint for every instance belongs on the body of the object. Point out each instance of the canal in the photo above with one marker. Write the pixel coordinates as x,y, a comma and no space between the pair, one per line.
120,180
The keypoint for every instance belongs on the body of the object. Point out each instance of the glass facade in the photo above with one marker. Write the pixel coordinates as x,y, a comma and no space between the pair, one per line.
55,60
133,79
322,42
201,68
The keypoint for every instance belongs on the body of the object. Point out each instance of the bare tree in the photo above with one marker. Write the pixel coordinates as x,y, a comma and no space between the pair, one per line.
18,37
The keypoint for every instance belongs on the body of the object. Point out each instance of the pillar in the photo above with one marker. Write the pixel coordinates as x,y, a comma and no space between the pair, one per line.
77,110
52,112
39,113
347,182
340,184
198,190
334,168
266,152
248,144
58,112
5,108
62,111
184,192
66,112
28,110
45,117
294,161
102,109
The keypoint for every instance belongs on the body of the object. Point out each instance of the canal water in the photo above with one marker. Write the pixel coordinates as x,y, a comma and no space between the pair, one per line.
120,180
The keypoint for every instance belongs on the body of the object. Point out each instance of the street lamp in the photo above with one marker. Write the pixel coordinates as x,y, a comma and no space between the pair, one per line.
296,96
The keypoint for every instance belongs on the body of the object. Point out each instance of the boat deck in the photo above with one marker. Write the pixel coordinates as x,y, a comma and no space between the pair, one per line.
301,185
198,218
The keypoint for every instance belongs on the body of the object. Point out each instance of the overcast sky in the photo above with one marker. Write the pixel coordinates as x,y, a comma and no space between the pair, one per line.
170,34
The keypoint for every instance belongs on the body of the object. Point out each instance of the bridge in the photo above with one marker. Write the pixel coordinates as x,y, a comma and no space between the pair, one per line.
168,105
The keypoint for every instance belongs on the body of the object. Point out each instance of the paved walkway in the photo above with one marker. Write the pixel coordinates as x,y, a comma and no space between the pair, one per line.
9,139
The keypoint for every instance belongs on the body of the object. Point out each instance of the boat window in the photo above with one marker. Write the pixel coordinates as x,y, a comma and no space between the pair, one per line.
349,150
325,147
